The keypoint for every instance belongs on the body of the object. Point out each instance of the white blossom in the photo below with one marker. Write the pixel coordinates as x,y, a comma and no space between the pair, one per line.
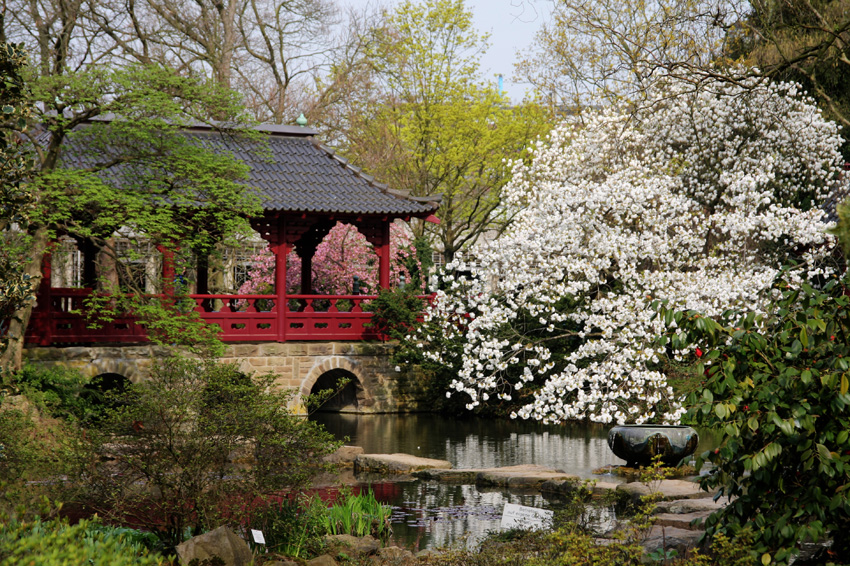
698,200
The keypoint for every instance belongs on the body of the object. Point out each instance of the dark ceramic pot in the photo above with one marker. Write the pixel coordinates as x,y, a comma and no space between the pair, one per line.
639,444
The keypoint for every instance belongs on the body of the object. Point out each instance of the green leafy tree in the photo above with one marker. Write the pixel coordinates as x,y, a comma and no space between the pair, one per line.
186,434
110,153
430,125
16,202
777,386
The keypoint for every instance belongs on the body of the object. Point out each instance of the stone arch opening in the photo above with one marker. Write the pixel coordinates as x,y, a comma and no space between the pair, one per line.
345,398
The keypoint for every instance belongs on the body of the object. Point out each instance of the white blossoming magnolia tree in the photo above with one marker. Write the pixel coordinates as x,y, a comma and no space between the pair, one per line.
698,200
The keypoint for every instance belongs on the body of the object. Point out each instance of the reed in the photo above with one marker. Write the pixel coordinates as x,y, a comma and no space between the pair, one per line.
358,515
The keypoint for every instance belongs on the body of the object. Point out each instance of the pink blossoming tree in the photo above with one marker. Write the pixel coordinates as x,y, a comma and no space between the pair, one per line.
343,254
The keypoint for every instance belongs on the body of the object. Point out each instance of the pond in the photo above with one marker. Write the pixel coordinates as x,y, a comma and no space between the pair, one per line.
430,514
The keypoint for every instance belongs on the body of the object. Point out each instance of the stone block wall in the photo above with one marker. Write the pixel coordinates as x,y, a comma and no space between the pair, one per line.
296,366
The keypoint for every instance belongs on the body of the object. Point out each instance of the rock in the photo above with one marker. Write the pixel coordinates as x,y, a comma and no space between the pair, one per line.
690,505
688,521
345,455
351,545
323,560
396,463
394,555
666,489
562,487
221,542
671,538
603,488
281,563
526,476
466,476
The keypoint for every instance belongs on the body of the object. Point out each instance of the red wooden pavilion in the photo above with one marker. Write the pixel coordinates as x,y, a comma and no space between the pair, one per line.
305,189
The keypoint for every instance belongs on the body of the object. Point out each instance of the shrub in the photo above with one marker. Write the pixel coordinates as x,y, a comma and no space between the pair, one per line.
395,312
777,385
166,458
56,543
59,391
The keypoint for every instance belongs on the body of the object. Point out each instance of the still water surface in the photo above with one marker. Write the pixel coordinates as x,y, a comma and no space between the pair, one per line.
432,515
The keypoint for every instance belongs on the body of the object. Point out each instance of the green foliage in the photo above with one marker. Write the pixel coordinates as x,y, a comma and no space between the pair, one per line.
34,453
16,201
777,386
17,452
185,434
395,312
56,543
169,320
291,527
115,155
358,515
61,392
434,126
295,527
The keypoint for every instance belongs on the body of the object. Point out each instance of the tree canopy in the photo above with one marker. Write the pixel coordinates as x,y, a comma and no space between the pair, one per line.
432,125
699,201
109,151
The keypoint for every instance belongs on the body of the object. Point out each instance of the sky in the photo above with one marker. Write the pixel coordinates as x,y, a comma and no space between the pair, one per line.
511,25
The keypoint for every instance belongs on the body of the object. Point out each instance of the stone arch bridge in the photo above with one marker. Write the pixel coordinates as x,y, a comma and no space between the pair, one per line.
374,384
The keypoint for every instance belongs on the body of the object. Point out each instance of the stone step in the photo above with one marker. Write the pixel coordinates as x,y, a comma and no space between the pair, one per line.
666,490
679,506
396,463
689,521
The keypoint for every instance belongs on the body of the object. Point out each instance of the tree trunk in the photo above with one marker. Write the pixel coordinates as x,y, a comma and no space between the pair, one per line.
12,358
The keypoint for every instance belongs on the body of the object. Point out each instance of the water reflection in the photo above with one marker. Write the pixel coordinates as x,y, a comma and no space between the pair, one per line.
432,515
483,443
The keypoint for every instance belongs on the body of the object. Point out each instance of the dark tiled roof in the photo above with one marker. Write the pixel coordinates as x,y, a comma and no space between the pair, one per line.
294,173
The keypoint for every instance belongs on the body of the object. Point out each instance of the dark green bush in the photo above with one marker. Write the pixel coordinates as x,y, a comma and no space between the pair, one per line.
395,312
777,386
62,393
56,543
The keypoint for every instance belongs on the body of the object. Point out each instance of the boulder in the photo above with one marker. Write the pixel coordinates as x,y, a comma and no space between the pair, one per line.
690,505
671,538
352,546
523,476
666,490
396,463
323,560
221,542
345,455
393,555
688,521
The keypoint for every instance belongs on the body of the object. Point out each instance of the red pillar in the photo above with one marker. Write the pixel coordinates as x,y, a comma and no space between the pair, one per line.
168,271
384,257
281,251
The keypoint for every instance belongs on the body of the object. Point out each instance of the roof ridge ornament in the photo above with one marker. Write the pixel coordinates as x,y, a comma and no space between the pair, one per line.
301,120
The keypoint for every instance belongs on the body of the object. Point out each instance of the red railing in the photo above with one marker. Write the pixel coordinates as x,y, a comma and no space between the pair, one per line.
59,318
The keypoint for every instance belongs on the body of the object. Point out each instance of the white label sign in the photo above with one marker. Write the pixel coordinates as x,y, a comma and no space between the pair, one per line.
258,536
522,517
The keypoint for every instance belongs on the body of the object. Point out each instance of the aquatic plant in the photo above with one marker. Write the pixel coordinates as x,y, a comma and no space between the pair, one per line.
357,514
